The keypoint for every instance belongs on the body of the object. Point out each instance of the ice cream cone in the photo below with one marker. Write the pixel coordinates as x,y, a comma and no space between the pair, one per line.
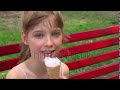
53,67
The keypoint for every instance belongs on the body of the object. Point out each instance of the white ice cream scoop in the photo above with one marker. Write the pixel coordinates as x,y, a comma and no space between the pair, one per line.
52,62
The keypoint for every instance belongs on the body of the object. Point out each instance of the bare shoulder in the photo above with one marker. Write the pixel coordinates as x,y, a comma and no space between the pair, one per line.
65,70
14,73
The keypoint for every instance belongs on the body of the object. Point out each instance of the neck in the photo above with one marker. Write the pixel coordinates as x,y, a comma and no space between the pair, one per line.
37,66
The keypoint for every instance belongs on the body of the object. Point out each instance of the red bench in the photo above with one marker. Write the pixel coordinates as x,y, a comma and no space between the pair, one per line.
108,71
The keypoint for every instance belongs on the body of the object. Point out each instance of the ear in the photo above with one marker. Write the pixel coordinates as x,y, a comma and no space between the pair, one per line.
24,38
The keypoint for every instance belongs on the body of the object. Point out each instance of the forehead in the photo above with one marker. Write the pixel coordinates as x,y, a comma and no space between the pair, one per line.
49,23
41,27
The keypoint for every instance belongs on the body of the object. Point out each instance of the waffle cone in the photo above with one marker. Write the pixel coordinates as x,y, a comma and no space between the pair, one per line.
53,72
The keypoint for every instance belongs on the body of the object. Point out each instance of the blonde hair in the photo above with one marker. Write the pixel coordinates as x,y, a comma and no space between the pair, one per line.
33,18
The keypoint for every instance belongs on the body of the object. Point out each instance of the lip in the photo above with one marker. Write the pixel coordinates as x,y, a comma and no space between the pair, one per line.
48,53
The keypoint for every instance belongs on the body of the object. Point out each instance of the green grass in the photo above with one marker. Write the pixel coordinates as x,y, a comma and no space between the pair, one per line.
75,21
78,21
9,31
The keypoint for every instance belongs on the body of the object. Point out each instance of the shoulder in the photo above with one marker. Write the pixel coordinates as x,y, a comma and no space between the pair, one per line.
65,70
14,73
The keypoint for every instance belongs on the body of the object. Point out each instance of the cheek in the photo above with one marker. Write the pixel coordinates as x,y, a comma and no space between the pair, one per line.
58,43
35,45
58,47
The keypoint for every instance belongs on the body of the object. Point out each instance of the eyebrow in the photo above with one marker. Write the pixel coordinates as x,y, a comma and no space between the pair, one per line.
38,31
56,29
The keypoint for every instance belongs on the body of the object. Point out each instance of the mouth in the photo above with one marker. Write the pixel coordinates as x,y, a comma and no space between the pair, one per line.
48,53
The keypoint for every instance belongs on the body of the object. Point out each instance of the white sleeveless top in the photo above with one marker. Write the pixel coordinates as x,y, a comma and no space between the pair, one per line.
26,77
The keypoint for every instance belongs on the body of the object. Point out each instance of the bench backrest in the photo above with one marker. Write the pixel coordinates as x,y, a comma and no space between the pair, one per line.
79,49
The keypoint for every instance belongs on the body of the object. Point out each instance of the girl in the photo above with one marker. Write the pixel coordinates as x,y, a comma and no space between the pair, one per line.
42,36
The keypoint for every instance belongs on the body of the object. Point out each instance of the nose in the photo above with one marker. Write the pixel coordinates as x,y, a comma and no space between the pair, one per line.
49,42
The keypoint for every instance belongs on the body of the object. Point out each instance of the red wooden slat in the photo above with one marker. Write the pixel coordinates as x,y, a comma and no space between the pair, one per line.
15,48
72,65
9,49
88,47
90,34
92,60
113,77
8,64
97,72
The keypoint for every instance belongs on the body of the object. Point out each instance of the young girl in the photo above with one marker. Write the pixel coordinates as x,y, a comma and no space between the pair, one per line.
42,37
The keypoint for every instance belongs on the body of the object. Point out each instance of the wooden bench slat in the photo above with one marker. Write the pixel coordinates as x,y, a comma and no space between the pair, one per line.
90,34
9,49
97,72
15,48
88,47
92,60
113,77
8,64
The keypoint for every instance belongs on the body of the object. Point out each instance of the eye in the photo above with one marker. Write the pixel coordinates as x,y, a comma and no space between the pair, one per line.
39,35
56,34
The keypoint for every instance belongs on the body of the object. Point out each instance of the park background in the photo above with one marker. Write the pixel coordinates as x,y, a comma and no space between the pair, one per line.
74,21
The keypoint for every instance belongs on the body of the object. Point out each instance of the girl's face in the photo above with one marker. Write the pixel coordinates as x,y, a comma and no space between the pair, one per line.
44,40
